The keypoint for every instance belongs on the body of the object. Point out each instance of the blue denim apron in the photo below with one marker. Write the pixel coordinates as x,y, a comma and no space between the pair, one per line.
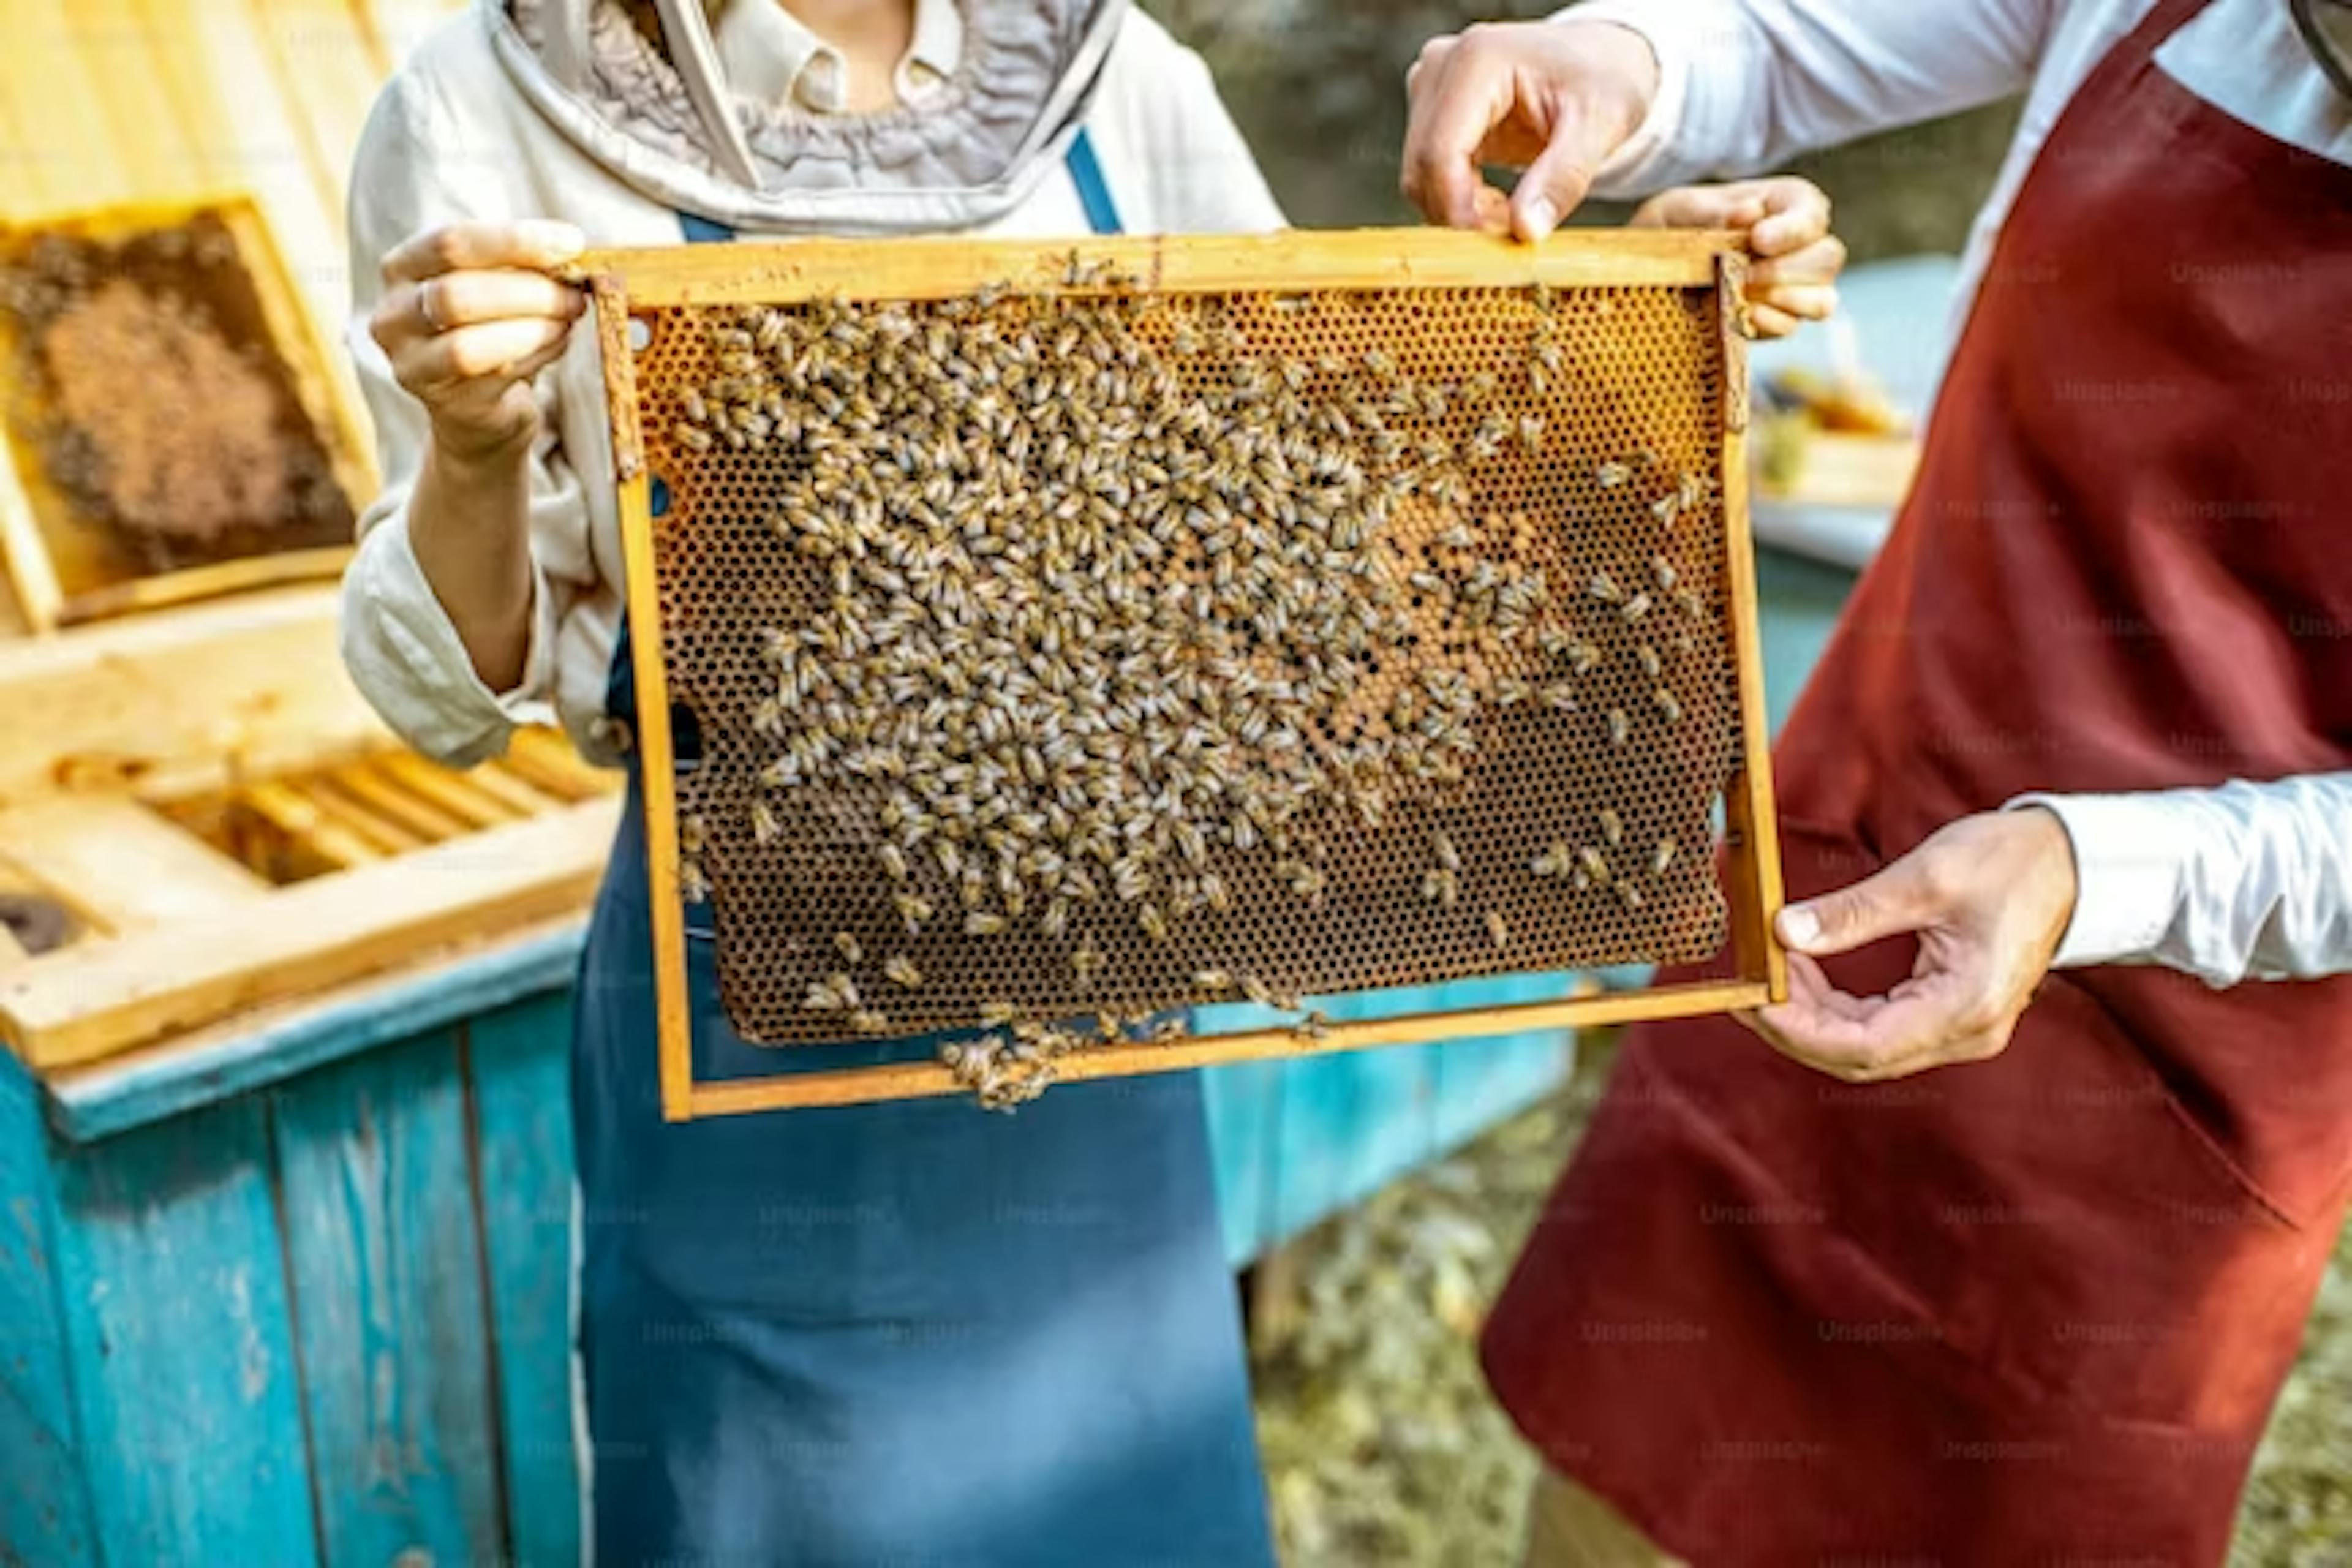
903,1334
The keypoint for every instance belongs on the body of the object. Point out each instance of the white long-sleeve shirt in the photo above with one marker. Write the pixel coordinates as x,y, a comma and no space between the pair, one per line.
2252,879
452,140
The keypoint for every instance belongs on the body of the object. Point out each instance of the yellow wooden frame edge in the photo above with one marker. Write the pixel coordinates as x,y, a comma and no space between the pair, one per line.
938,268
913,1080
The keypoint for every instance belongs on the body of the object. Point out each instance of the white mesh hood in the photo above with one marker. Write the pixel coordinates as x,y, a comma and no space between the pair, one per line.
1029,69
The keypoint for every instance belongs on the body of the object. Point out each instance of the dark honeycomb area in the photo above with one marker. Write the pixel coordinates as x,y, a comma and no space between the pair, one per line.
1615,496
146,384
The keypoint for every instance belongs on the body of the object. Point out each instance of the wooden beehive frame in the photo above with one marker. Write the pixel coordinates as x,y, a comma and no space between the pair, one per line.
42,602
945,268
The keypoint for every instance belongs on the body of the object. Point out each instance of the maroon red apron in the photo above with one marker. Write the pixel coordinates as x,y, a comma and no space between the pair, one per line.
2036,1309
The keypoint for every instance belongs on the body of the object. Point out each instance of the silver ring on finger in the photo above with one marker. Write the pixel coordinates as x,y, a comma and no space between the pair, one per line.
425,307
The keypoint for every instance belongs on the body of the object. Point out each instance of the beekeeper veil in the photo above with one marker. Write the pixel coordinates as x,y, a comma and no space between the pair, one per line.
640,88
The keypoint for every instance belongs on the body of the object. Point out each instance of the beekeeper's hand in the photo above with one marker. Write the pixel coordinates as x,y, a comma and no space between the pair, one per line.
1553,98
1787,221
468,316
1988,899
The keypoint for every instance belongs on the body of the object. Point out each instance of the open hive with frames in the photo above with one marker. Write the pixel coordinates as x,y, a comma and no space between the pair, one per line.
1059,638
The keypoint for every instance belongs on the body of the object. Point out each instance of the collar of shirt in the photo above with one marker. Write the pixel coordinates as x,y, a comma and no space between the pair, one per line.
772,58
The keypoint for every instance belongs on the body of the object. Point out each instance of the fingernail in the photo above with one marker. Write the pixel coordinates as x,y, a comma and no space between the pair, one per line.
1800,927
557,241
1539,218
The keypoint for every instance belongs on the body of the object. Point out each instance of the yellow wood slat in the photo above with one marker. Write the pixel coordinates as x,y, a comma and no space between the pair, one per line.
395,803
98,998
121,867
205,696
208,582
547,761
259,141
305,827
64,150
24,179
175,51
34,595
908,1080
1827,467
458,794
155,154
329,77
1297,259
511,790
1756,893
380,832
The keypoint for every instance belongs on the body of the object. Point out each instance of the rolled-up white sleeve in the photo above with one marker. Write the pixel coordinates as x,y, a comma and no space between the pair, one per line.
398,642
1745,84
2242,882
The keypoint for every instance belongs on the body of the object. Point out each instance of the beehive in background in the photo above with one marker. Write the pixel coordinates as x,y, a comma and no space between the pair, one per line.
173,425
1075,634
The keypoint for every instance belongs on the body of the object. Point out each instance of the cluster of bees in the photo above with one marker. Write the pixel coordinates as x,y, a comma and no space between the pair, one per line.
1102,599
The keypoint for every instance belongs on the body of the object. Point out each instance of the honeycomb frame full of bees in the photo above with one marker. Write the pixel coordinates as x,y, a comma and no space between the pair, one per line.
1036,642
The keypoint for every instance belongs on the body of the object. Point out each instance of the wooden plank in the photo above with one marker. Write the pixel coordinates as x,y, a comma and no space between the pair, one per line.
381,833
187,92
37,597
307,828
519,1061
511,790
120,866
281,1042
1832,468
210,695
67,152
657,757
910,1081
24,182
258,133
45,1500
1752,882
320,67
547,761
169,1266
1294,260
415,811
99,997
151,147
384,1263
211,581
459,795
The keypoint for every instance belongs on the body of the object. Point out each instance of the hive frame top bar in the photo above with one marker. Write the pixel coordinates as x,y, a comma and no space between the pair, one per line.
940,268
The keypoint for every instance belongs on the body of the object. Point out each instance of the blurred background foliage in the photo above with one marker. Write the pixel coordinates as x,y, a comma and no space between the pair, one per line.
1318,88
